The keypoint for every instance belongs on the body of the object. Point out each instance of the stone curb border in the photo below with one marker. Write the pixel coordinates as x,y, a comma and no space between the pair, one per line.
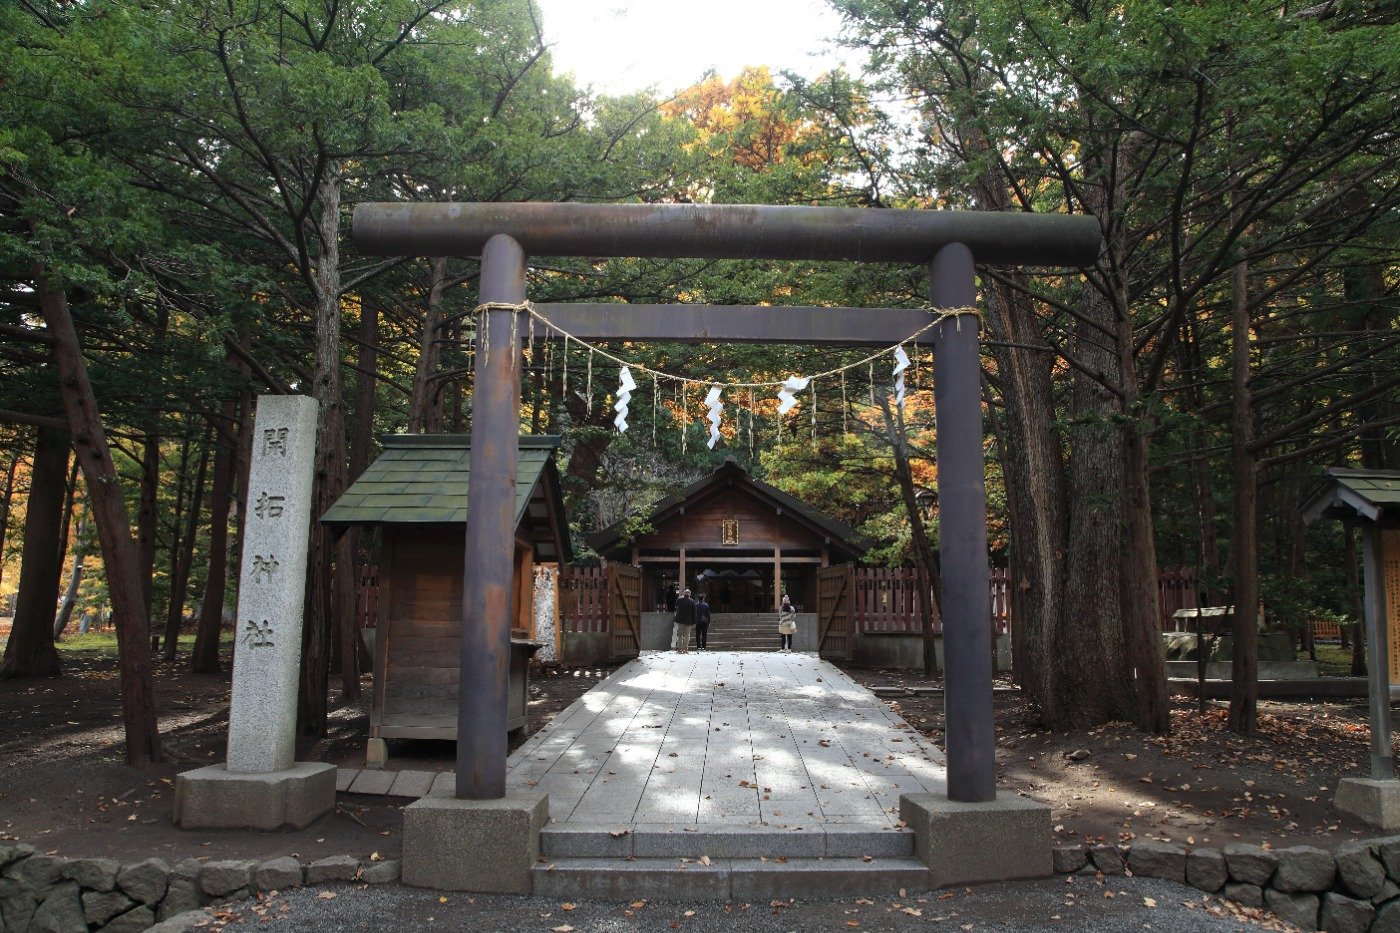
48,892
1354,890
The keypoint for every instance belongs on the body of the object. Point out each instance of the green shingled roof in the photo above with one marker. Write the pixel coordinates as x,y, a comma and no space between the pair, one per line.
1370,494
422,478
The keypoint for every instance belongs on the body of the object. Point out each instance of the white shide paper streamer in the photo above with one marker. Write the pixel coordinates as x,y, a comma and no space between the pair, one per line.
716,414
625,385
901,363
787,401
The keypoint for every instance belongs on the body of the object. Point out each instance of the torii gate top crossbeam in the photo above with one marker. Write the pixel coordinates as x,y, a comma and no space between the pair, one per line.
726,231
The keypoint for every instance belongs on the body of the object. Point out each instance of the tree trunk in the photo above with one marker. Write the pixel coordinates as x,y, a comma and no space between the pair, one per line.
30,652
1089,644
108,511
1374,312
926,563
177,539
1014,610
425,405
146,517
5,505
1140,599
70,495
75,580
1358,611
1244,543
180,578
204,657
330,577
1034,474
362,440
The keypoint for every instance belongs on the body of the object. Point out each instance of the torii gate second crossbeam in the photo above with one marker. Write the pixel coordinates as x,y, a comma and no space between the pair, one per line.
949,241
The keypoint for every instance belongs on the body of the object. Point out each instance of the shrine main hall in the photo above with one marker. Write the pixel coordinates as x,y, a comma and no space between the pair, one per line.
735,538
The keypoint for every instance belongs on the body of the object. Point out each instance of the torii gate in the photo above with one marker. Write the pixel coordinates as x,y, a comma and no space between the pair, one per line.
950,242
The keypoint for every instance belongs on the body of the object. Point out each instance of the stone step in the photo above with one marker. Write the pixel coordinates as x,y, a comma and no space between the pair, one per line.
733,880
722,841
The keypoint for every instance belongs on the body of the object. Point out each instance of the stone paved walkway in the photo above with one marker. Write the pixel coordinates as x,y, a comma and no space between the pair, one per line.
733,738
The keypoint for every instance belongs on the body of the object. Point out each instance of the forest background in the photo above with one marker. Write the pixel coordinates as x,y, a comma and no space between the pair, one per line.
176,178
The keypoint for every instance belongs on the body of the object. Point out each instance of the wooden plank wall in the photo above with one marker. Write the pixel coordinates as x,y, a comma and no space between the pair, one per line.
424,640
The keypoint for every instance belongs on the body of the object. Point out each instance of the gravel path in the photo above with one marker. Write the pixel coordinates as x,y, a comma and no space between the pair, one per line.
1135,904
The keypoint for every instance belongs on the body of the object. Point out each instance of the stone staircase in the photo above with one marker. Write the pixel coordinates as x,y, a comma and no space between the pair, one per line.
743,631
719,862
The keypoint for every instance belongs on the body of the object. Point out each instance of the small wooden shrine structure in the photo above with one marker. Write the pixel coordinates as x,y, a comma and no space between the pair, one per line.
738,539
1369,500
416,492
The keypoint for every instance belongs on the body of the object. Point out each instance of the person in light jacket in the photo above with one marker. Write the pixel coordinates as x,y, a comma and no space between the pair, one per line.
787,623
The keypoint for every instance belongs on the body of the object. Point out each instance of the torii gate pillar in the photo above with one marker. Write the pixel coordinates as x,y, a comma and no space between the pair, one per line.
962,522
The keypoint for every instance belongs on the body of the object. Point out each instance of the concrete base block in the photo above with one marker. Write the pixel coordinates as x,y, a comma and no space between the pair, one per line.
1375,800
482,846
216,798
967,843
376,753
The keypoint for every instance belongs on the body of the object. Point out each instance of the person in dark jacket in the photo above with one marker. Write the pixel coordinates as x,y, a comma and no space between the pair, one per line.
702,622
683,622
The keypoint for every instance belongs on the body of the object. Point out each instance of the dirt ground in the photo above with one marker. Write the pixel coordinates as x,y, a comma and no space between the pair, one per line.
65,788
1200,785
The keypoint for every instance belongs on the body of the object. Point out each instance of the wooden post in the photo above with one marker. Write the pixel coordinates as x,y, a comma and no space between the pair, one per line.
1378,648
482,695
967,643
777,577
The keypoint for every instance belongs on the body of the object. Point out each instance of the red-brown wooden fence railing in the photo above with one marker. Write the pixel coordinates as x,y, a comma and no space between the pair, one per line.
1176,589
885,599
583,599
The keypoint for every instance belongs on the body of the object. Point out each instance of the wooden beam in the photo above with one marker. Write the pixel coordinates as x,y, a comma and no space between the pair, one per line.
681,323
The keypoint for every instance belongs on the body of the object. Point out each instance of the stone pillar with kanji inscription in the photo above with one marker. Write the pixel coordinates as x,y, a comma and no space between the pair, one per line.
261,785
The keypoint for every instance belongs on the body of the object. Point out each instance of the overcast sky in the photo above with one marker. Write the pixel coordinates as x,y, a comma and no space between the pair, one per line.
620,46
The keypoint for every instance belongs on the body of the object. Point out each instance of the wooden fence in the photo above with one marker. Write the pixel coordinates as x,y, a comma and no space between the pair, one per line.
885,599
583,599
1176,589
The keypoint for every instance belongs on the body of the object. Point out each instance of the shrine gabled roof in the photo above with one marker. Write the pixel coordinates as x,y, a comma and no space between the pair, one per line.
422,479
1373,495
609,538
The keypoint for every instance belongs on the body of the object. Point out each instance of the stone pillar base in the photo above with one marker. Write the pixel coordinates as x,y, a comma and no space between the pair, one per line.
216,798
482,846
1375,800
376,753
968,843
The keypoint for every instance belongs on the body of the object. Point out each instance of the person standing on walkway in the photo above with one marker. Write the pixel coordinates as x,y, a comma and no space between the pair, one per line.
702,622
787,623
683,622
